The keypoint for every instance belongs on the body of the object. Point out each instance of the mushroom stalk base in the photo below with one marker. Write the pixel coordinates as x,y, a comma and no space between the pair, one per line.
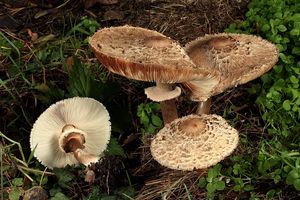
168,108
204,107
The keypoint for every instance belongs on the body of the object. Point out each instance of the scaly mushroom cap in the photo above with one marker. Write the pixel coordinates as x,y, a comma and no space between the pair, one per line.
147,55
239,58
194,142
83,117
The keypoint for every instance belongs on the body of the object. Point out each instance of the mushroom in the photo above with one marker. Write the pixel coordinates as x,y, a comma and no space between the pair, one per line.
239,58
71,131
194,142
147,55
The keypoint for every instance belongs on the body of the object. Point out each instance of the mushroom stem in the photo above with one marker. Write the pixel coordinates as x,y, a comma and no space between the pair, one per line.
204,107
72,141
85,158
168,107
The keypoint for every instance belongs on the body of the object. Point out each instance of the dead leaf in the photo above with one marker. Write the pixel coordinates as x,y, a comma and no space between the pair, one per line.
33,36
69,63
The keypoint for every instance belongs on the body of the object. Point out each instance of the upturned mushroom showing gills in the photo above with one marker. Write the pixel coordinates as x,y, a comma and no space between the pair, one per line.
239,58
194,142
71,131
147,55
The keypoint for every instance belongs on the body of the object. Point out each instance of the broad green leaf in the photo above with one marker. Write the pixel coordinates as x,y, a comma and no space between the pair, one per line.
202,182
292,176
219,185
59,196
248,188
14,194
210,187
17,182
64,176
281,28
265,28
296,50
156,120
114,148
297,184
155,107
295,32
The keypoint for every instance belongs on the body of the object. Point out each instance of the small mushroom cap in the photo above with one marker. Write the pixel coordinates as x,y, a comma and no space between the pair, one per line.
85,114
239,58
162,94
194,142
147,55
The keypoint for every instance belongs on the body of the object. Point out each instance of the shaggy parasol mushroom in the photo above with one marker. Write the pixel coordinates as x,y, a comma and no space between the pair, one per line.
239,58
71,131
147,55
194,142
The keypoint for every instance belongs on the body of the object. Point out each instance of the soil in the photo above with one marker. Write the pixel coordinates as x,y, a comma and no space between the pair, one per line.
182,20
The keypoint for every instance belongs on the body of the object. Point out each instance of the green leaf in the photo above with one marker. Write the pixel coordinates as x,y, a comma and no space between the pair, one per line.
14,194
64,176
270,194
202,182
214,172
295,32
210,187
219,185
156,120
286,105
297,184
17,182
296,50
59,196
144,119
155,106
248,188
294,79
150,128
265,28
292,176
281,28
114,148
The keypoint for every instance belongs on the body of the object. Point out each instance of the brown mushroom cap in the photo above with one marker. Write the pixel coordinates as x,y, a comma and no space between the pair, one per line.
194,142
147,55
239,58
